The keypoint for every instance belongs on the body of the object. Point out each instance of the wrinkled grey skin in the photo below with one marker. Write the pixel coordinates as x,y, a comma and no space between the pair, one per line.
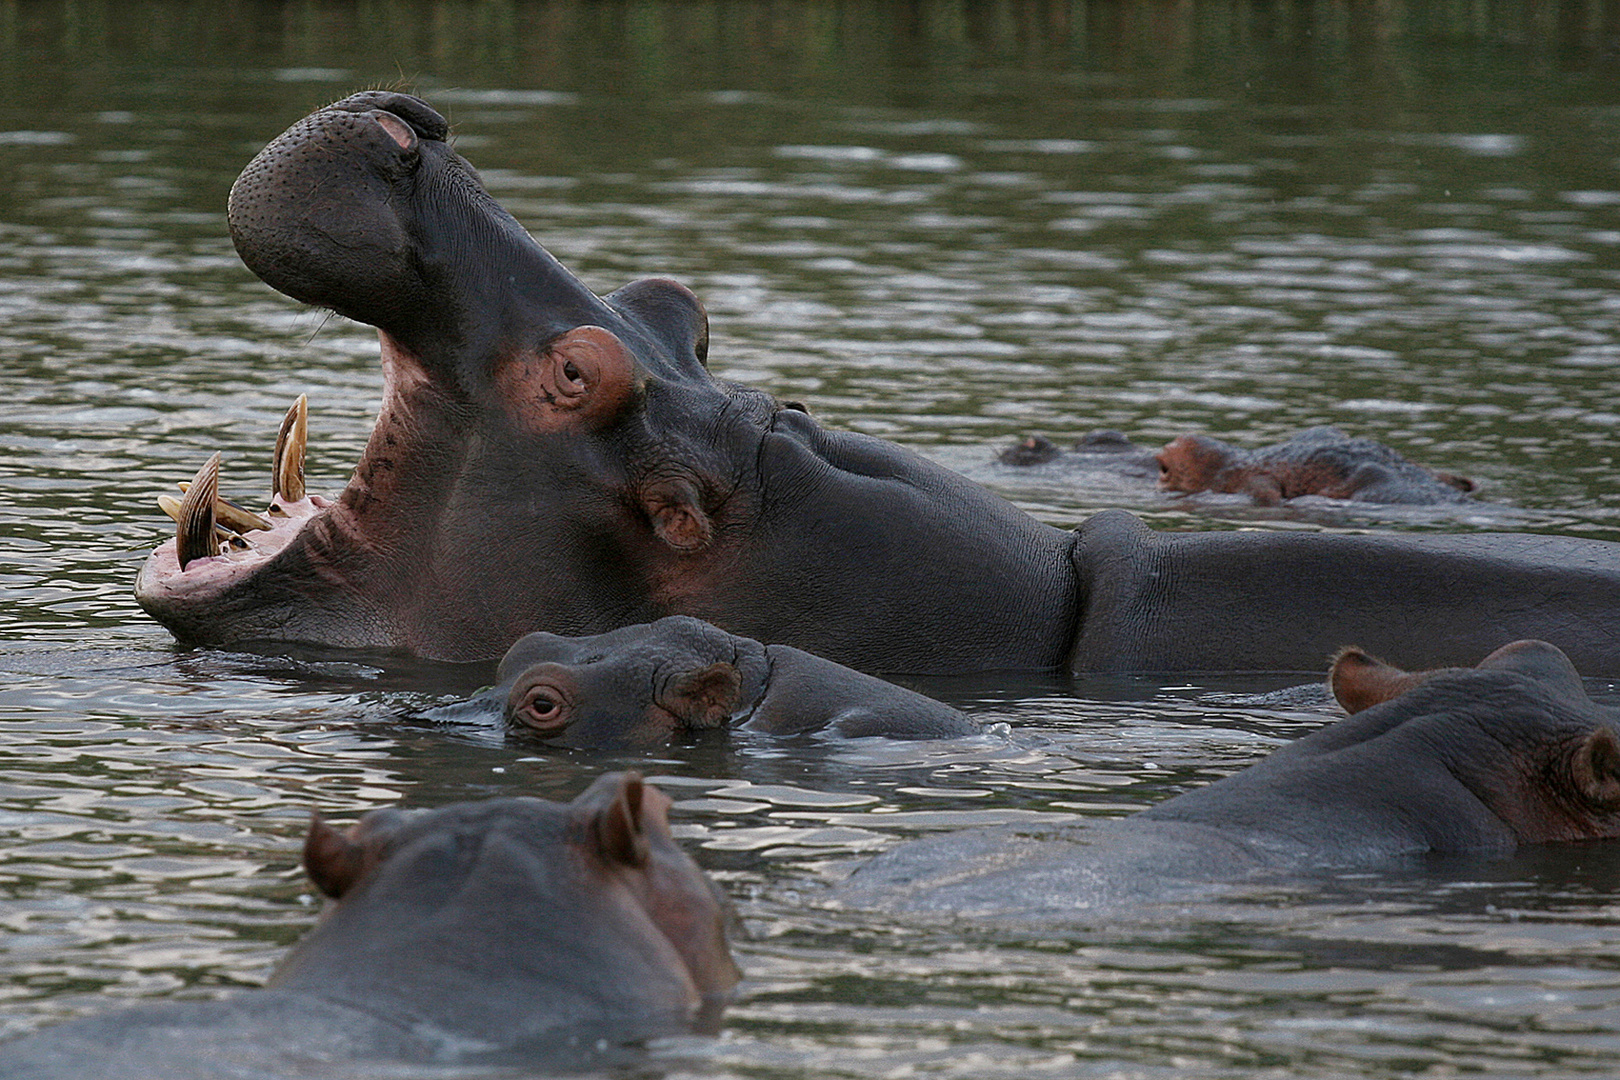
1233,601
547,459
496,932
1465,761
640,685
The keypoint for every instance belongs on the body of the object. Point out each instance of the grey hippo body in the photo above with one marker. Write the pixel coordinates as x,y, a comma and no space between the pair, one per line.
642,684
548,459
509,931
1473,761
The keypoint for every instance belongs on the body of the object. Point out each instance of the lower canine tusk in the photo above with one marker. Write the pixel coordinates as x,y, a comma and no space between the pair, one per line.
287,467
194,523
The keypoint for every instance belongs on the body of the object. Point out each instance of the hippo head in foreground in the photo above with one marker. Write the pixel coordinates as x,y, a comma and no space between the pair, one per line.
505,920
548,459
642,685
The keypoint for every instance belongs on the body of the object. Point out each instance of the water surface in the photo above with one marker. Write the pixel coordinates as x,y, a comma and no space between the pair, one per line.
945,226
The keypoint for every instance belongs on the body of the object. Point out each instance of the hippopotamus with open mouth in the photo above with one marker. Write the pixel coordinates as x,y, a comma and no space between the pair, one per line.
550,459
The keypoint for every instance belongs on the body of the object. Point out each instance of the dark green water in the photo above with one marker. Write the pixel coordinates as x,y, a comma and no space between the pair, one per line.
945,224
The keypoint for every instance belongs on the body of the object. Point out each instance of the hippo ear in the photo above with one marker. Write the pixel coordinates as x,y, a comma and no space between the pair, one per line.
585,376
1596,768
676,512
619,834
1361,681
671,311
704,698
336,861
332,859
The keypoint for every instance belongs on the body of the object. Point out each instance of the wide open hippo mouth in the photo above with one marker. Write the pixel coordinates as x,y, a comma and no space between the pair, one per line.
222,547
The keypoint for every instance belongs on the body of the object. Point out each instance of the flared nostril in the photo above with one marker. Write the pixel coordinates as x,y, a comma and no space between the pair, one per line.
397,129
421,116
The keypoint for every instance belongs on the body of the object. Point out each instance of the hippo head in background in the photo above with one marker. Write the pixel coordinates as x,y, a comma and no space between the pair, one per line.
1190,463
548,459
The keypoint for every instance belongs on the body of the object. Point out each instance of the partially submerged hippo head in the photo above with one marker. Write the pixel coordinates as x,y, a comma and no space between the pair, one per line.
504,920
1457,760
634,685
1190,463
642,684
1517,732
547,459
1317,461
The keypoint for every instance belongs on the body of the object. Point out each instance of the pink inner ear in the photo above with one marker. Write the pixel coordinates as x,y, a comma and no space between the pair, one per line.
583,377
1596,768
677,516
707,697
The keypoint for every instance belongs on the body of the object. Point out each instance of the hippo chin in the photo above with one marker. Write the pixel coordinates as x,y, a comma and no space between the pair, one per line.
1462,761
643,684
548,459
498,932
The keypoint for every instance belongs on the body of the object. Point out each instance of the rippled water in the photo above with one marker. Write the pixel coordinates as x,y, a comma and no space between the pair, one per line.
948,227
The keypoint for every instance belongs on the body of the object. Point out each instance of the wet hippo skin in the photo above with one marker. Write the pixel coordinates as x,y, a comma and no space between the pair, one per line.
503,931
1318,461
641,684
546,459
1460,761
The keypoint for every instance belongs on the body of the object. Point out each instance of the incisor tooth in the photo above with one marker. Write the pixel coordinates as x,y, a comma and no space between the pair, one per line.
194,523
287,467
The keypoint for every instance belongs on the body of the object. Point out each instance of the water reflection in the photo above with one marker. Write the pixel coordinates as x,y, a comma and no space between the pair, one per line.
946,225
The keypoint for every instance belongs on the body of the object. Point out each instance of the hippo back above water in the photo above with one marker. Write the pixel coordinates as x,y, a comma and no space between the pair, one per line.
546,459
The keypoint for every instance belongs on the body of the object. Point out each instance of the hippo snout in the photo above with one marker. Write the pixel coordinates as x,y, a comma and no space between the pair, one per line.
318,213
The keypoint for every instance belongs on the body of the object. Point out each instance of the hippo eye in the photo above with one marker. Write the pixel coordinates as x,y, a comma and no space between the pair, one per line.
542,706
